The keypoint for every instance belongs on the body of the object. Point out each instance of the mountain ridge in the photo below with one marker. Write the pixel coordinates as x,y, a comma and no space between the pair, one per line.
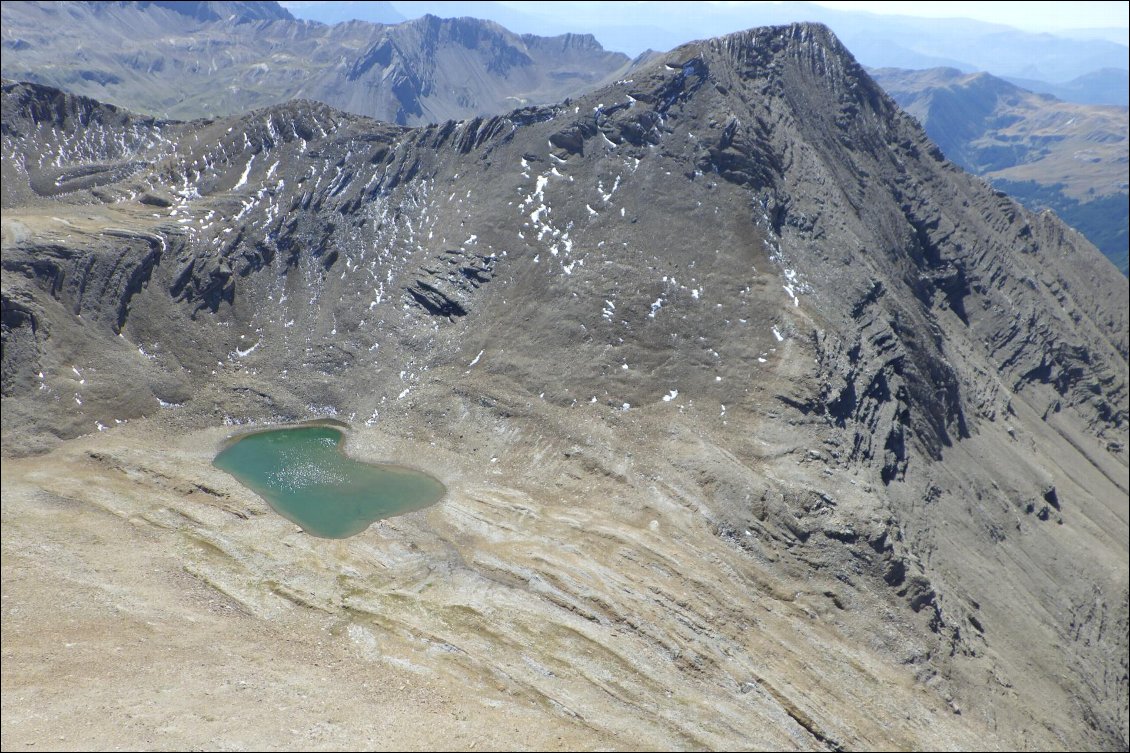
431,70
425,70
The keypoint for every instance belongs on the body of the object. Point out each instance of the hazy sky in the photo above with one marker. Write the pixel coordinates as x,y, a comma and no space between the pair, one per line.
1031,16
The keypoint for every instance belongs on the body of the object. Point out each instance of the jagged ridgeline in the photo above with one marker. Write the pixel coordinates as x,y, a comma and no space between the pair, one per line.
742,284
193,59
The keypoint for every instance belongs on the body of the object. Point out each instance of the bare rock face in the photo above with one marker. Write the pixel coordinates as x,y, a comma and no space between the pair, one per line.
739,389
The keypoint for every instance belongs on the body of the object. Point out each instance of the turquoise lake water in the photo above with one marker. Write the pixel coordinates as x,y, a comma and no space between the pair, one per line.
305,477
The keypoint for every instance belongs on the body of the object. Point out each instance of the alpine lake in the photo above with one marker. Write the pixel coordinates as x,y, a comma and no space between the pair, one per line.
305,477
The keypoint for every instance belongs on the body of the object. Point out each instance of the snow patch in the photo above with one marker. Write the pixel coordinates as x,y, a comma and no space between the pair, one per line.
243,178
244,353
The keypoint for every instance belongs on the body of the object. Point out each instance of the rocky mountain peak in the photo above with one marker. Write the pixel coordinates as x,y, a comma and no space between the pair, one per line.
805,128
797,60
572,42
503,49
464,29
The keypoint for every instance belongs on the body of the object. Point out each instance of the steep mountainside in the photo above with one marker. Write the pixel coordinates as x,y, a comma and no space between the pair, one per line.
1071,158
192,59
763,425
214,58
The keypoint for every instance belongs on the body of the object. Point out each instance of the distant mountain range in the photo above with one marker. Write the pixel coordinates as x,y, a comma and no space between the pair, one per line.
189,60
1050,154
1106,86
1047,61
